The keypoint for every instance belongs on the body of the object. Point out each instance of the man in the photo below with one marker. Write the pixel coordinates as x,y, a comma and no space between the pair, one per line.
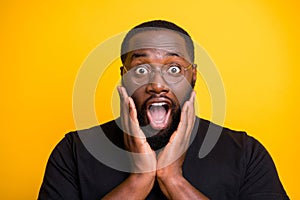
161,135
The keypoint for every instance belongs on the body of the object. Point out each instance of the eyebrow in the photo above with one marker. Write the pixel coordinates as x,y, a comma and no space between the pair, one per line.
173,54
137,55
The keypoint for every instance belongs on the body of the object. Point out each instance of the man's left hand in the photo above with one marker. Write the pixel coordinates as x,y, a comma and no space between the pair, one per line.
170,160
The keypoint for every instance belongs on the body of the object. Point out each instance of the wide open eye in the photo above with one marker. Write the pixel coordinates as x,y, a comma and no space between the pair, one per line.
141,70
174,70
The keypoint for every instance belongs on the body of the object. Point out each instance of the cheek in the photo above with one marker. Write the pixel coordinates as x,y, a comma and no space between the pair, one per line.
182,90
131,88
138,97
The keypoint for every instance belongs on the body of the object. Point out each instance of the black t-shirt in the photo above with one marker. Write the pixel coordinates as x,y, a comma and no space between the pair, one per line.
238,167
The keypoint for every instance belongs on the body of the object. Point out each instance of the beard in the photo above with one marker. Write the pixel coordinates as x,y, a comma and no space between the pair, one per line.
158,139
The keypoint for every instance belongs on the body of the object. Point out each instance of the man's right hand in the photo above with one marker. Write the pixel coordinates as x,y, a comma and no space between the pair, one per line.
143,159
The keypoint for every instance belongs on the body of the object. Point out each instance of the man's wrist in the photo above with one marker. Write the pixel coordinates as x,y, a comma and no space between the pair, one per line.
139,179
165,177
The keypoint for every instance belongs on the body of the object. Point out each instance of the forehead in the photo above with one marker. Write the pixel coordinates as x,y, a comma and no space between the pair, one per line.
166,40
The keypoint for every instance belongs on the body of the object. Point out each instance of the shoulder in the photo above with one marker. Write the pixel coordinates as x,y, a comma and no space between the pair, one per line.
258,175
259,178
215,139
109,129
73,140
216,135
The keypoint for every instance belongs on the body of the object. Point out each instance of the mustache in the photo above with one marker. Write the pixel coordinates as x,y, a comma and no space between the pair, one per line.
144,105
158,96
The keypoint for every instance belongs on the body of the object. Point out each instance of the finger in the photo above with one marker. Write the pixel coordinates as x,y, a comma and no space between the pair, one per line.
179,133
136,139
130,116
121,105
119,88
183,118
132,110
134,123
190,118
191,112
187,120
192,97
124,109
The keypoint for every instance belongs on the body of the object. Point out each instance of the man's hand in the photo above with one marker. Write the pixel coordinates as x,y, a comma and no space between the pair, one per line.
143,159
170,160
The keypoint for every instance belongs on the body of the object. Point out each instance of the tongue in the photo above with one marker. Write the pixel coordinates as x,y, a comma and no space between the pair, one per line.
157,116
158,113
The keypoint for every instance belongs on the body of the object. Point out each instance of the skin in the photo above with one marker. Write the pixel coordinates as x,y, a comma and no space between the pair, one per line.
166,167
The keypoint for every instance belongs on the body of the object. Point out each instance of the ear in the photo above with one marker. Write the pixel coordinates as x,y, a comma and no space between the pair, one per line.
194,78
122,70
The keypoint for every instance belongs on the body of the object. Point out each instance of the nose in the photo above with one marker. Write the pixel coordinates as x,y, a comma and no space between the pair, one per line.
157,84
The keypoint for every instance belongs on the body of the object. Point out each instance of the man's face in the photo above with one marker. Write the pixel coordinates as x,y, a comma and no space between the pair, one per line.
158,102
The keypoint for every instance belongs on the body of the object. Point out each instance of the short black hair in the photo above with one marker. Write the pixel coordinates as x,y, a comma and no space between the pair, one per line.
157,25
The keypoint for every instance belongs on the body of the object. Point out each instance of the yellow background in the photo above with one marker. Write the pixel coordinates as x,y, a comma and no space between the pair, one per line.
255,46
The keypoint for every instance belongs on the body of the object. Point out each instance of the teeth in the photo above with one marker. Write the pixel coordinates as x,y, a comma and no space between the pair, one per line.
158,104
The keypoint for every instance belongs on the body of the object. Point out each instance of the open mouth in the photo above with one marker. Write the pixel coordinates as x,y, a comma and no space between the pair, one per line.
158,114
